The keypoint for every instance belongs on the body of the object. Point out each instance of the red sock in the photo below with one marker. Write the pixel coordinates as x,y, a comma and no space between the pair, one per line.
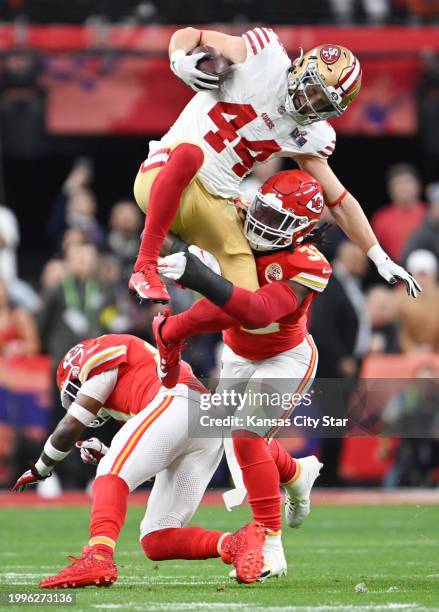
261,478
181,543
108,511
201,318
183,164
285,464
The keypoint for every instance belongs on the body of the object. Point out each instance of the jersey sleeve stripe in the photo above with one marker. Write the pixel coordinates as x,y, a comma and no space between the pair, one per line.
259,37
323,153
265,34
312,282
256,43
250,42
99,359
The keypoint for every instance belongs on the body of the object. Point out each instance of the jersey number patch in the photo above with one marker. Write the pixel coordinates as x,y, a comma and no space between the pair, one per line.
229,118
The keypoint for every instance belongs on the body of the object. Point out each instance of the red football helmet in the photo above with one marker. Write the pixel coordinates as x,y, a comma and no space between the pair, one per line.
284,210
69,385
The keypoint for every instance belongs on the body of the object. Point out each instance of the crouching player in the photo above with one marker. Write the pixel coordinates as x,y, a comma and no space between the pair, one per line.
266,338
119,372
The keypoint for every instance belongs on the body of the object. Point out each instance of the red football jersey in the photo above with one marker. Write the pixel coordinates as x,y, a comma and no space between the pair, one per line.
137,381
304,265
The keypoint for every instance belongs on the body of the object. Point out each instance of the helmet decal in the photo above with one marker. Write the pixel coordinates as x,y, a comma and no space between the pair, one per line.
330,54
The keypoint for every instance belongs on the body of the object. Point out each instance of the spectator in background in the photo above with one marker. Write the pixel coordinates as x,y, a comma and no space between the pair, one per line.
70,310
9,240
346,11
18,331
427,234
340,327
123,240
381,312
419,319
52,274
75,206
339,321
394,223
413,417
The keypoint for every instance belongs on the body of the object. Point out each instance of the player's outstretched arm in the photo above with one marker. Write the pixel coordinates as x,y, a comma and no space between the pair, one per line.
349,215
250,309
58,445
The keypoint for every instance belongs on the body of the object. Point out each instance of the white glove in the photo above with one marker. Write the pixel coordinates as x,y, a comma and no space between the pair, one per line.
392,272
92,450
185,67
173,266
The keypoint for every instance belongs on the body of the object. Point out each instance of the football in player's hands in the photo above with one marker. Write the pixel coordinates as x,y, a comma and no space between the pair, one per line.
214,63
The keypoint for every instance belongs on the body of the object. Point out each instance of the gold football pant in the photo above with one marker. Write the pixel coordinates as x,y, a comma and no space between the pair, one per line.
211,223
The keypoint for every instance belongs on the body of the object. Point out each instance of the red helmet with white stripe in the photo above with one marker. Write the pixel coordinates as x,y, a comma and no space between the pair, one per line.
69,383
284,210
322,83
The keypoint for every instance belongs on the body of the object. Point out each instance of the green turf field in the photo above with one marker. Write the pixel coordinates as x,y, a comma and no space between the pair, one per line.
393,550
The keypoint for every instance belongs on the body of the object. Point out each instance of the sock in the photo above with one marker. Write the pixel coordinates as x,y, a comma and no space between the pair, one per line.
201,318
286,465
108,511
261,478
181,543
166,191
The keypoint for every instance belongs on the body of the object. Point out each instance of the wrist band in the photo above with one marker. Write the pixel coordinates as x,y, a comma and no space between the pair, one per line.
338,200
377,254
81,414
42,468
53,453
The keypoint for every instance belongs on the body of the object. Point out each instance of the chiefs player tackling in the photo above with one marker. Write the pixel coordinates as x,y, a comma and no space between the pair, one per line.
267,106
265,338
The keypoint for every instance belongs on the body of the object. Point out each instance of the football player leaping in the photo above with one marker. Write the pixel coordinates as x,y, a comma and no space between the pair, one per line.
267,106
266,338
119,372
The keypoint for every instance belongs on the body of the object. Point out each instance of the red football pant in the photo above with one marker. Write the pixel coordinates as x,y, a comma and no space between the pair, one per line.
261,478
166,191
109,508
181,543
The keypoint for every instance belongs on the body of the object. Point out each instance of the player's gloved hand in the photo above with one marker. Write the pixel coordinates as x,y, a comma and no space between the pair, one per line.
92,450
29,477
392,272
185,67
174,266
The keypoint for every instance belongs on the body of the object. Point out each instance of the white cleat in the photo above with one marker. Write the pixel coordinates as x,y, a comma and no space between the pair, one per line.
275,564
297,501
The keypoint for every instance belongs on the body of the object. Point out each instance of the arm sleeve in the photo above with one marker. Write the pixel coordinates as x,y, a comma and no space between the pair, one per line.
260,308
251,309
100,386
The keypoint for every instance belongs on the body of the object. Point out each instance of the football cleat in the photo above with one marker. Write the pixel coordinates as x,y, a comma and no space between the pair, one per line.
275,564
93,568
147,286
244,549
297,499
168,366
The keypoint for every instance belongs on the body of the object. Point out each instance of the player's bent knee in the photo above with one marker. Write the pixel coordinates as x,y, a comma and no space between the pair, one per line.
188,158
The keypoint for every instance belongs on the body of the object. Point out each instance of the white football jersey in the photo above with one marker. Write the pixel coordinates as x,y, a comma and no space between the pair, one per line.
245,120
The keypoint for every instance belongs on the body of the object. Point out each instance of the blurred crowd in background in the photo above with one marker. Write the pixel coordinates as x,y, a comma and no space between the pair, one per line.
81,290
199,11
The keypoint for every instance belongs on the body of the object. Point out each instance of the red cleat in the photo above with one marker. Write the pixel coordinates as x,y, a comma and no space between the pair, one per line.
168,368
94,568
148,286
245,550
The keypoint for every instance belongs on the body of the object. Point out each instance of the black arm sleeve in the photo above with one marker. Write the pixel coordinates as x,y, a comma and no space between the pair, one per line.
200,278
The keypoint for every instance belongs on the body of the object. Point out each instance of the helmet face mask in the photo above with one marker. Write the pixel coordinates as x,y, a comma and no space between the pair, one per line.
284,211
69,385
322,83
268,227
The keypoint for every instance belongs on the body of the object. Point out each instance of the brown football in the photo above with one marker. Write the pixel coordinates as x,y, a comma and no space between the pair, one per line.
216,63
